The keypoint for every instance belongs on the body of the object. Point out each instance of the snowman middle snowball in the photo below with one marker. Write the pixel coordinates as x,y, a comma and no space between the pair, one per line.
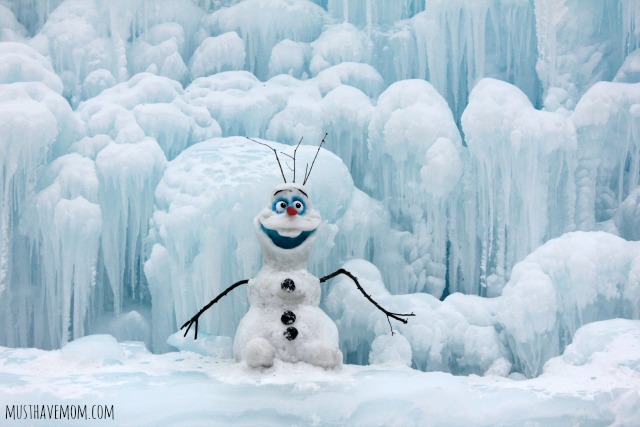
284,320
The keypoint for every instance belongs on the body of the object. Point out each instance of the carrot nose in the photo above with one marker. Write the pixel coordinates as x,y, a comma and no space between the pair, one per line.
292,211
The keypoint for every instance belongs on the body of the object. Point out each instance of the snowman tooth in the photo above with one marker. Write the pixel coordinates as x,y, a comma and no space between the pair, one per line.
290,232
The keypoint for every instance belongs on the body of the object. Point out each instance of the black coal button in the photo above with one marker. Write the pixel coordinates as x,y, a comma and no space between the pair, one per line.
287,285
291,333
288,317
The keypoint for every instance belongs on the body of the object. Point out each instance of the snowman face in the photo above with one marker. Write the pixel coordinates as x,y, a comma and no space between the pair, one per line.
290,220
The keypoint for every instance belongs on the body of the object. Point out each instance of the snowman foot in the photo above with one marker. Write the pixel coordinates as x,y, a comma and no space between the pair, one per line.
258,353
322,354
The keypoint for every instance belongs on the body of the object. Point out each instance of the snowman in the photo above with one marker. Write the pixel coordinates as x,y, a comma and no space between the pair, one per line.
284,320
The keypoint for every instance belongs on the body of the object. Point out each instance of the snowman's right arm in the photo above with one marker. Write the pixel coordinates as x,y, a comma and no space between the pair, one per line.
194,319
396,316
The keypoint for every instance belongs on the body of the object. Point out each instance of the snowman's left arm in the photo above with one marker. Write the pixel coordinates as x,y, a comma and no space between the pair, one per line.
194,319
397,316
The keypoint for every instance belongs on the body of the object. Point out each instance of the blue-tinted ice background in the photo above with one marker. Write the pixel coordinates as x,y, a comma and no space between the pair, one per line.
482,169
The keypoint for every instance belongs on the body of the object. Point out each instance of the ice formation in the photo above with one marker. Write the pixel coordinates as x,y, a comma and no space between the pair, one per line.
483,156
503,131
570,281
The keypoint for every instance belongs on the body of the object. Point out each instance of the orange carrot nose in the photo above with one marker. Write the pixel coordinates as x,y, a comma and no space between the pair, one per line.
292,211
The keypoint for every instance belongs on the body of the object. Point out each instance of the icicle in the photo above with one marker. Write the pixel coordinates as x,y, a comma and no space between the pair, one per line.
123,170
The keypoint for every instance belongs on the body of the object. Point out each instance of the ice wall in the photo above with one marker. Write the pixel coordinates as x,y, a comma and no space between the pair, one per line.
581,43
37,124
461,42
607,120
518,185
452,44
262,24
553,51
464,136
414,165
66,228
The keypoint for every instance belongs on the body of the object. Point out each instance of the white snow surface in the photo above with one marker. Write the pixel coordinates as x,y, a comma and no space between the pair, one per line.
595,382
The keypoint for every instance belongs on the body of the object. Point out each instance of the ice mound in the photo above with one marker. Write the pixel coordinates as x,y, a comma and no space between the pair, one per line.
337,44
361,76
21,63
217,347
597,350
446,336
158,50
10,28
390,349
148,106
291,58
93,348
568,282
216,54
613,343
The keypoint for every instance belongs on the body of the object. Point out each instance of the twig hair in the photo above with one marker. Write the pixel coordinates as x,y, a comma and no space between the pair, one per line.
294,159
308,173
277,158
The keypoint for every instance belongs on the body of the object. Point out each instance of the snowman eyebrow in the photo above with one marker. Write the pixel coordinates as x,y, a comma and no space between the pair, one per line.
291,191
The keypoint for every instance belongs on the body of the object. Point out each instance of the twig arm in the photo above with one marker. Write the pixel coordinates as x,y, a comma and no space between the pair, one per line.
194,319
396,316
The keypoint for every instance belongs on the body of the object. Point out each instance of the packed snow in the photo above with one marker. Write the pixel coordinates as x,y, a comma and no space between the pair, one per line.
594,382
479,168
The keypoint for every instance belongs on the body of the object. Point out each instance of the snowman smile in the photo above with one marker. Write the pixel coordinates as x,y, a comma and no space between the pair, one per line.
286,242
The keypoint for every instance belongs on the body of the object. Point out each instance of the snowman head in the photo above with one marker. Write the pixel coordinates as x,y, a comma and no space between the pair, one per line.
286,228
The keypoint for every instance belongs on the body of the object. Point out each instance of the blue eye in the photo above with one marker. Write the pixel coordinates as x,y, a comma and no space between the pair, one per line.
279,205
299,205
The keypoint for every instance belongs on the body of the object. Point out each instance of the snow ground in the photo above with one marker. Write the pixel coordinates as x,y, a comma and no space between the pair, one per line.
595,382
